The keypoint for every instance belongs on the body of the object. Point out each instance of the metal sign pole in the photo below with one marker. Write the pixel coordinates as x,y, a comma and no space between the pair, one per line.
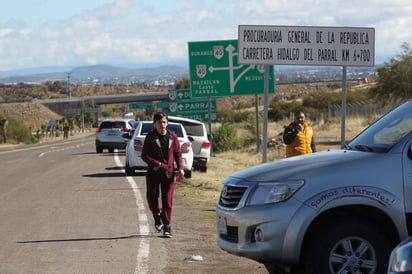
210,125
265,114
257,123
343,110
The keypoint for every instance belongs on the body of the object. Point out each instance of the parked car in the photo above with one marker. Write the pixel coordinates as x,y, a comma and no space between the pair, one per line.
109,134
135,145
335,211
201,142
401,258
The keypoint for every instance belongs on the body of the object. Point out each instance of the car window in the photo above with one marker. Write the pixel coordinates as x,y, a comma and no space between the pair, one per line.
194,129
112,124
176,128
387,131
146,127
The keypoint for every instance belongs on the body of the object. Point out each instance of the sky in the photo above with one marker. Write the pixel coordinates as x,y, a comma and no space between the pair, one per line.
43,33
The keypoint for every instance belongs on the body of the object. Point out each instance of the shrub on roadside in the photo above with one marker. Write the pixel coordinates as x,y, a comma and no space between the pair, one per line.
225,138
18,133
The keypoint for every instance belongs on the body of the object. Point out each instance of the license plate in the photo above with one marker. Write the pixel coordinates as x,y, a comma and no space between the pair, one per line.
222,225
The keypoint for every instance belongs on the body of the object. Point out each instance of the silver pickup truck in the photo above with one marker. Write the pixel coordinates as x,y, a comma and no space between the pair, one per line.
336,211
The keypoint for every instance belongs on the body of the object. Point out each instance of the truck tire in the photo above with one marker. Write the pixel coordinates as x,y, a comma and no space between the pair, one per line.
348,245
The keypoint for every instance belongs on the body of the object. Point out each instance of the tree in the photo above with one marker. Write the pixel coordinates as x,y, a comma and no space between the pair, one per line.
4,124
394,79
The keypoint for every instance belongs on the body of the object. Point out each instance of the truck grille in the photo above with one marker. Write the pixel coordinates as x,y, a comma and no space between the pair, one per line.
231,195
232,234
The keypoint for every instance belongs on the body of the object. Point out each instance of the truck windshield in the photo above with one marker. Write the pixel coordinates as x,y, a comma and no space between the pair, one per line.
385,132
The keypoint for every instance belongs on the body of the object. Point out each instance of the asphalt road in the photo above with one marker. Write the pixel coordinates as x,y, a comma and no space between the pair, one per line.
66,209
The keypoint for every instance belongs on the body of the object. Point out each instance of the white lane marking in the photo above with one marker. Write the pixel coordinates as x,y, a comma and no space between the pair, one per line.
56,149
142,258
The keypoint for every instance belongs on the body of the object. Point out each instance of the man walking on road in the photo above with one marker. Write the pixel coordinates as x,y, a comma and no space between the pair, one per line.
161,149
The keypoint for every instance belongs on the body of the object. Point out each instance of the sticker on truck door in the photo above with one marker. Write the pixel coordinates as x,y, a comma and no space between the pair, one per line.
378,195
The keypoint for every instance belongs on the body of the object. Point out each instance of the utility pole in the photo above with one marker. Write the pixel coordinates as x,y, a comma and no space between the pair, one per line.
68,85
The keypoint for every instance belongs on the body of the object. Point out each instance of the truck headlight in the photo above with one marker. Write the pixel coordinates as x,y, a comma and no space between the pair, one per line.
273,192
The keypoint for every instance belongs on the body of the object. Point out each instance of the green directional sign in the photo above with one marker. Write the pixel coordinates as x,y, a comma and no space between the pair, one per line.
140,105
203,117
192,106
215,71
180,94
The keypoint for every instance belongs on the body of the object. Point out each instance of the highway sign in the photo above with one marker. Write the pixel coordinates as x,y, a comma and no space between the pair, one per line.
293,45
215,71
140,105
180,94
203,117
192,106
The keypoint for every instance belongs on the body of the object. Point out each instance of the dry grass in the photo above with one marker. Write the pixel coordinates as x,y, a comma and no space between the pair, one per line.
203,189
32,115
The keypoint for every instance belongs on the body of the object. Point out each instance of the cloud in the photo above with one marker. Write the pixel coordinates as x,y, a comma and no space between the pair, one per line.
143,31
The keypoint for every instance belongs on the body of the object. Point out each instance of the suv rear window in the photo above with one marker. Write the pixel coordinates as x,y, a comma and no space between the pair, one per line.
146,127
193,129
113,124
176,128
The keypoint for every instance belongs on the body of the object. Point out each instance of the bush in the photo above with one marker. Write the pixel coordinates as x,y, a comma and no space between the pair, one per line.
18,133
231,116
225,138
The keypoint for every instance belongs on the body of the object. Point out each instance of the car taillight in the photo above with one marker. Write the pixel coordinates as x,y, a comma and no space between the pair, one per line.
98,130
206,145
185,148
125,129
138,145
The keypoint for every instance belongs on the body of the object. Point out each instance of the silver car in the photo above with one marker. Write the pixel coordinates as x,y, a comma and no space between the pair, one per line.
109,134
135,145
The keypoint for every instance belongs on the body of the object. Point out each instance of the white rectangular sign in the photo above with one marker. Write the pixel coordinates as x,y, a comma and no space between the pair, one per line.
318,46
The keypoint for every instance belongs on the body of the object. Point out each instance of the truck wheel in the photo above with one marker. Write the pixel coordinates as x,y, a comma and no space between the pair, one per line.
99,149
348,246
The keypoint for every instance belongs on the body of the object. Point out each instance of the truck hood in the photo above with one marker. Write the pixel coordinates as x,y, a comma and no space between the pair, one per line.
299,167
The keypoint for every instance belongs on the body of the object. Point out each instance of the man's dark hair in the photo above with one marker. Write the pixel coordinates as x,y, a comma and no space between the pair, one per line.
158,116
299,112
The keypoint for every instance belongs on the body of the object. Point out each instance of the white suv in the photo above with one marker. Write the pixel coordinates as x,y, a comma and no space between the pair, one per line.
201,144
135,145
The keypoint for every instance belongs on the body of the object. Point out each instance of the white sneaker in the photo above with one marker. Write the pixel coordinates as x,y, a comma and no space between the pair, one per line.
158,223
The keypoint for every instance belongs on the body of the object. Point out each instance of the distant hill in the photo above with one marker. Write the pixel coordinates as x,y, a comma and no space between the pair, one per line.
84,72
